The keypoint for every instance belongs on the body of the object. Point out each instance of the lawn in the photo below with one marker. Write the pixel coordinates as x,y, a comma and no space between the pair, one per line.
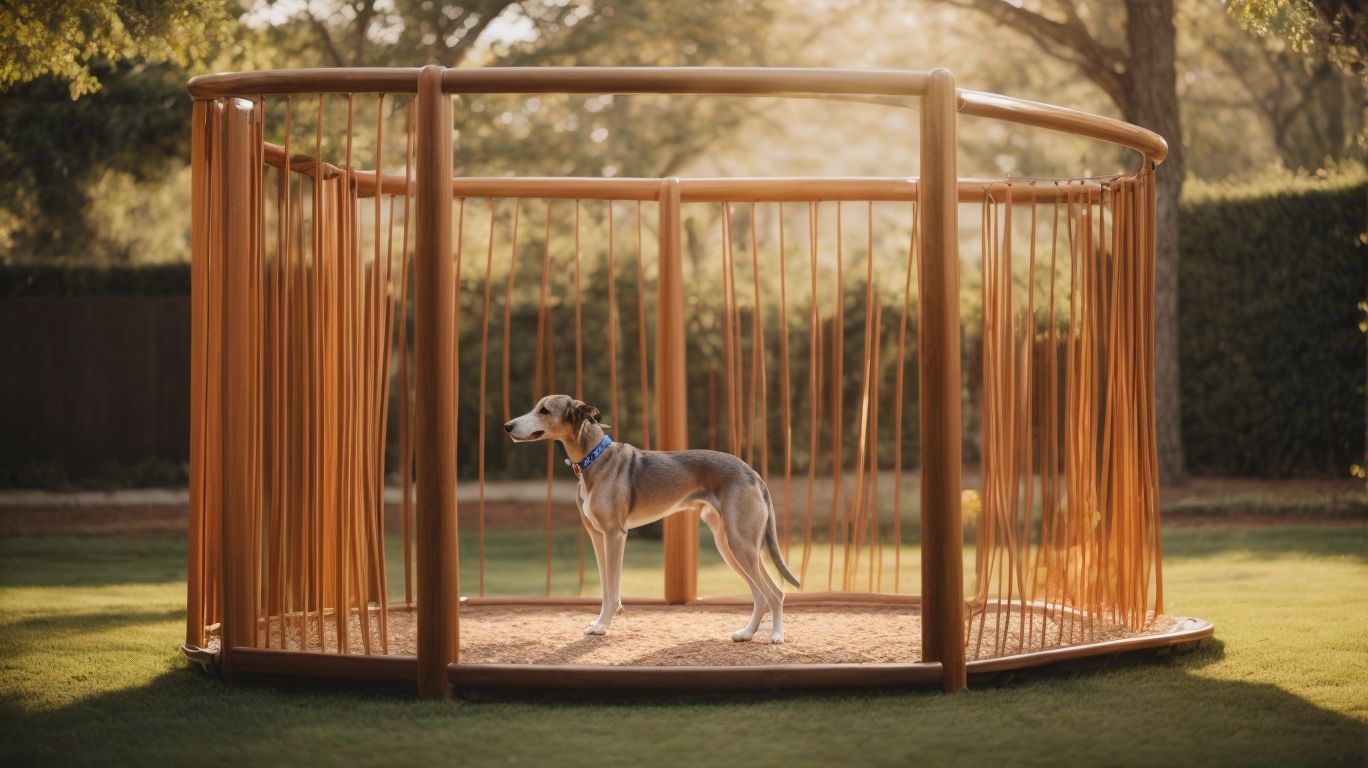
89,675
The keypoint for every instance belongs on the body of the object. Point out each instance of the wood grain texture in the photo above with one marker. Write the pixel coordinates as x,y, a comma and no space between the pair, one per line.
672,419
435,391
942,529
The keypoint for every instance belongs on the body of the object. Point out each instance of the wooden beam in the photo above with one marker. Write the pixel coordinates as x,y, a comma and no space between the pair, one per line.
759,677
435,391
942,531
681,530
242,431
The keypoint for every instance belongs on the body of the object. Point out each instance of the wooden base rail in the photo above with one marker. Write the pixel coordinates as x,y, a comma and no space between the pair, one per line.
402,671
766,677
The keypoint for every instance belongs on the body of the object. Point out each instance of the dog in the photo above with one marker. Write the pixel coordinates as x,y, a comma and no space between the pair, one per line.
622,487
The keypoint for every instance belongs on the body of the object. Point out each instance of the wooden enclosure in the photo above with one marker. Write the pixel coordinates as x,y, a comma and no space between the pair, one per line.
309,263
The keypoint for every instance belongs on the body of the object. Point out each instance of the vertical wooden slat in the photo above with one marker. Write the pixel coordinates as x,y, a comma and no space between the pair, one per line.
837,393
484,363
241,365
942,533
435,417
543,383
681,530
200,235
814,395
508,312
758,373
642,361
729,351
579,377
898,403
405,391
785,393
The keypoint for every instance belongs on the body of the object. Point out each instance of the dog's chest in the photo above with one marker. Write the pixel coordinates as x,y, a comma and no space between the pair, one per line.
584,497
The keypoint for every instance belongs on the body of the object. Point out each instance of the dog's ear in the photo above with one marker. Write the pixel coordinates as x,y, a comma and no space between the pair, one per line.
582,412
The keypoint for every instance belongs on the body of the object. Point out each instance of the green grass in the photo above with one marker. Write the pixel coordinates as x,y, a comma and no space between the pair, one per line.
515,564
89,675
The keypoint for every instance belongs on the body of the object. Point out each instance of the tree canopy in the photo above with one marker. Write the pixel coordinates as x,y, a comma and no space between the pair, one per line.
69,40
1259,83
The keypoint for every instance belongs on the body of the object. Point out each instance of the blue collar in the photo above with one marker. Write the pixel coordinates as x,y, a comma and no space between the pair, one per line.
594,454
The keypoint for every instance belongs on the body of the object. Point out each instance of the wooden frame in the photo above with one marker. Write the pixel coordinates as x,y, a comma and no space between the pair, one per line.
228,224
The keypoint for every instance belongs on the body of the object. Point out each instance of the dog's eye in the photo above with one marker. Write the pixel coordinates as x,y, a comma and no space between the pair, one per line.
544,410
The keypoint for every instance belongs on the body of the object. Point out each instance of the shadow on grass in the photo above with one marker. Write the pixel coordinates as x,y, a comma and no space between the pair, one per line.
1127,711
91,561
50,628
66,698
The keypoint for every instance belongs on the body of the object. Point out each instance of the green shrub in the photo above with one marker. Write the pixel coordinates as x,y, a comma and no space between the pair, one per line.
1272,355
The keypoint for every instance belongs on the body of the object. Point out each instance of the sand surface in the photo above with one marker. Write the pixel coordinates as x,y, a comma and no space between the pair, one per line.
701,635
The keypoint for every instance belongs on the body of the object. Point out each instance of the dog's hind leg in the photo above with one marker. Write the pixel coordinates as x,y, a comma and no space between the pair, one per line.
745,535
719,532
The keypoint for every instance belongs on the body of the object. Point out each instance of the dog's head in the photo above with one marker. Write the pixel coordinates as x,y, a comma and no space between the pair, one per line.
554,417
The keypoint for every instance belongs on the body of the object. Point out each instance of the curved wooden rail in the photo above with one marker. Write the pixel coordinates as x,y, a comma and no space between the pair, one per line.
1033,113
878,84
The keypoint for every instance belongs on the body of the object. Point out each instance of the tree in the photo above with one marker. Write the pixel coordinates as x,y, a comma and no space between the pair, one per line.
633,136
1312,89
89,87
1131,57
52,150
1308,104
64,40
1340,27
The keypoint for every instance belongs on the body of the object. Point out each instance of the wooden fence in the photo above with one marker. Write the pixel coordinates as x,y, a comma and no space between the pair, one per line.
91,382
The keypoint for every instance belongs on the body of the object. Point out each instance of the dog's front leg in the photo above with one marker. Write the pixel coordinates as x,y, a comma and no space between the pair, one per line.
600,558
610,554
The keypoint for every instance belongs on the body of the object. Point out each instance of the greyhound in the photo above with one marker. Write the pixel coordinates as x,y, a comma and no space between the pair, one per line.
622,487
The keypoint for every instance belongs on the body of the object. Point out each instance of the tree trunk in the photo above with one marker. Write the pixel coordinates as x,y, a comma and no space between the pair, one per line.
1152,102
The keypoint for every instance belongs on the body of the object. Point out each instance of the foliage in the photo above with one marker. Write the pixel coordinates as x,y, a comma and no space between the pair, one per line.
70,40
53,151
1243,91
1339,27
1272,354
1293,20
55,154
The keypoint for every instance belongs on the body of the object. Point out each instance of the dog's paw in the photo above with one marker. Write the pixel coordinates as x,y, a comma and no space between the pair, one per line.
742,635
596,629
777,639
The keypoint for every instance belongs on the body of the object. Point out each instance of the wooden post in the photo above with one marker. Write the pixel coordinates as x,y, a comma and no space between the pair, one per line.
434,420
241,377
681,531
199,318
942,536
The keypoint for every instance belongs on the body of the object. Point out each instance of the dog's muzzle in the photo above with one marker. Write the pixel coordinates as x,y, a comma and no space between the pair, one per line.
522,438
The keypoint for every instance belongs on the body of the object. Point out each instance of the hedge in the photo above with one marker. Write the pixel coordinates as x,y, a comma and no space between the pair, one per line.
1272,355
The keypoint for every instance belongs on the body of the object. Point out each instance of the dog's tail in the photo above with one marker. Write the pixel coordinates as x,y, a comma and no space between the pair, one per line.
772,539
